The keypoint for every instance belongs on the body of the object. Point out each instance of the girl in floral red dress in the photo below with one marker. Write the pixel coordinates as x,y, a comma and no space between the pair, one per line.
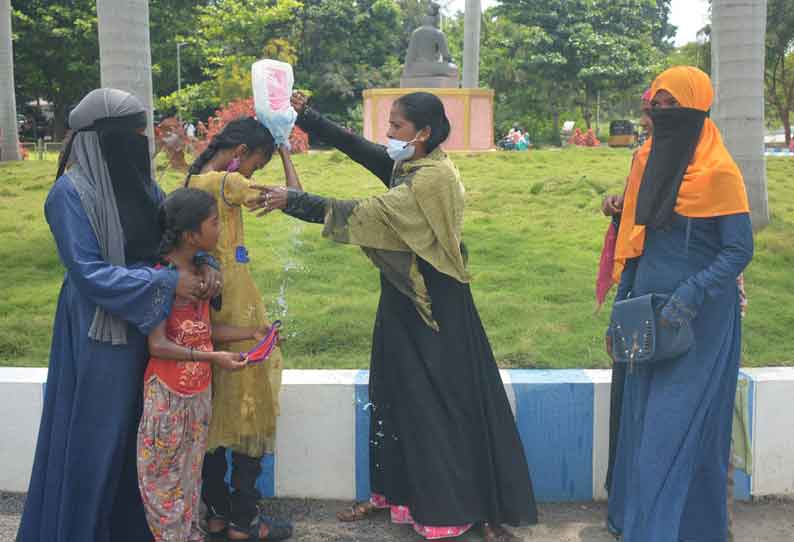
172,435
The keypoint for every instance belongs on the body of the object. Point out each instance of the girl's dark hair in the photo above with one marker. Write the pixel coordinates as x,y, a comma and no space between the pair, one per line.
66,151
424,109
243,131
183,211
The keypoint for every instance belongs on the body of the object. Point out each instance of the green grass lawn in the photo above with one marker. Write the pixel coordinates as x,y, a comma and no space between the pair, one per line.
534,234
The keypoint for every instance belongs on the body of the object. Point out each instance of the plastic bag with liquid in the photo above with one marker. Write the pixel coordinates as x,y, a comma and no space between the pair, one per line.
272,84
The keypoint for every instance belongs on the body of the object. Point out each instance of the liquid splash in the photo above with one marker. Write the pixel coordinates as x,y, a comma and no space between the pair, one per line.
290,256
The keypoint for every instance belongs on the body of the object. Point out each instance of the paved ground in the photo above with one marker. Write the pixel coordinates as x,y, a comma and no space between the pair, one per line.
765,521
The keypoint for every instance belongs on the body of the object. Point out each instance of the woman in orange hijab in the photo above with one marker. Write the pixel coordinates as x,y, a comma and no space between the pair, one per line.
685,232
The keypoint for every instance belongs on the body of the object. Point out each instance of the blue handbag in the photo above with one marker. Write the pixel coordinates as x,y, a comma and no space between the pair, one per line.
638,335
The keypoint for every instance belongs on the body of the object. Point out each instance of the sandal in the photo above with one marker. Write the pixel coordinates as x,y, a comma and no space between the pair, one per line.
358,512
614,531
276,529
216,518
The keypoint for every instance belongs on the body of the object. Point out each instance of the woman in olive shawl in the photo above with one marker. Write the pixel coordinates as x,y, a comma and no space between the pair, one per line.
445,453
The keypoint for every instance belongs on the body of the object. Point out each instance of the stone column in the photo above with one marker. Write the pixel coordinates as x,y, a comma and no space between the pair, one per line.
9,144
738,34
125,58
471,44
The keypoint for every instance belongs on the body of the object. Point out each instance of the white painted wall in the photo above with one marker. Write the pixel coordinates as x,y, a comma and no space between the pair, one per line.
316,441
21,399
773,431
316,431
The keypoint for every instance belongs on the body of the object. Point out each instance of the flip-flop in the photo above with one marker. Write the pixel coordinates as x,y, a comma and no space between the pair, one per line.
215,534
359,511
277,529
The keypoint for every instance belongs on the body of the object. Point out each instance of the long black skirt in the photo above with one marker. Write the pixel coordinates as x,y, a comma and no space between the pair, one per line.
443,440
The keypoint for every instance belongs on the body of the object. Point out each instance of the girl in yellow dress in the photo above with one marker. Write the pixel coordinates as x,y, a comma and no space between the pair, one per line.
245,403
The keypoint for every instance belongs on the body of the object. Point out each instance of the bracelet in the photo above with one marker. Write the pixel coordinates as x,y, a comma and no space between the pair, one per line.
192,358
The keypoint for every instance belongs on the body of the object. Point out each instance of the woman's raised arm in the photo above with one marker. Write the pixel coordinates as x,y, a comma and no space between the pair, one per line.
370,155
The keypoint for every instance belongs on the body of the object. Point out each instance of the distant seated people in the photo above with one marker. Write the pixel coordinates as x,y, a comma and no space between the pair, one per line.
523,142
508,142
516,137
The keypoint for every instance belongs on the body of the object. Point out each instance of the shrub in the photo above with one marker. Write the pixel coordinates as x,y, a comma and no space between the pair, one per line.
299,140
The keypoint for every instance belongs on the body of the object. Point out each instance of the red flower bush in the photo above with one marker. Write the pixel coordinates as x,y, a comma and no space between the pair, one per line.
170,137
588,139
298,139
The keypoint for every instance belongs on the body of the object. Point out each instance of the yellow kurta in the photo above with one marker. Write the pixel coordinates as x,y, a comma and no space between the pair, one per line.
245,403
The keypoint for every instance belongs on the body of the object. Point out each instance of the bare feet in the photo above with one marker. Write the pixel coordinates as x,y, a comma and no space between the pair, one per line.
216,526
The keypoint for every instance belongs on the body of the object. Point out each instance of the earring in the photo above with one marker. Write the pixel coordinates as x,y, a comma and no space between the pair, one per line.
234,165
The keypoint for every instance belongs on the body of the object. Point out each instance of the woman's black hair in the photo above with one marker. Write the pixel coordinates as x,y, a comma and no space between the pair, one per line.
182,211
243,131
423,109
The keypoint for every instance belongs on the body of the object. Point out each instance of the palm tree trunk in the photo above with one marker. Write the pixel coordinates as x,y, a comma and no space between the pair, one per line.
738,34
9,138
471,44
125,59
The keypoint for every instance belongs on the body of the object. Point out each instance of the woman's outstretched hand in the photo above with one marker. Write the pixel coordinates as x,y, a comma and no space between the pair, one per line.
270,199
212,279
298,102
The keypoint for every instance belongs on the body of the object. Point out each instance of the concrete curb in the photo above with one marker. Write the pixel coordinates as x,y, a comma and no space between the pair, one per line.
322,442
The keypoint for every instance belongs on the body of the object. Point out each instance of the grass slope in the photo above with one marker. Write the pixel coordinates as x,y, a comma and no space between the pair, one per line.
534,234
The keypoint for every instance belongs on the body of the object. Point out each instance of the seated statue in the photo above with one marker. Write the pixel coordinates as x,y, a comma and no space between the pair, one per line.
428,53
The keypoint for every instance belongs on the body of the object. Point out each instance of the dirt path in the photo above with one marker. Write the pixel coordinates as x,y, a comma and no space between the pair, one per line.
769,520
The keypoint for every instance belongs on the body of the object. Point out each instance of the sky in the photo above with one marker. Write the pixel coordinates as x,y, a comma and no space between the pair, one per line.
688,15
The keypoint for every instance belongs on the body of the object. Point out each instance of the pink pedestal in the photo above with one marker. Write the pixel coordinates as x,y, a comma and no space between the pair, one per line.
469,110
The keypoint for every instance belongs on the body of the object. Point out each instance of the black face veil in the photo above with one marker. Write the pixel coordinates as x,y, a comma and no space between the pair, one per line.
676,133
126,154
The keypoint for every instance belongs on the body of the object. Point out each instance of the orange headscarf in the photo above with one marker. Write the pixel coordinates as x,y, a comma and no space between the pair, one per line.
631,237
712,185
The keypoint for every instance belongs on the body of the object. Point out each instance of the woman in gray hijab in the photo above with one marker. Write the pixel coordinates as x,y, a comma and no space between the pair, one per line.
102,211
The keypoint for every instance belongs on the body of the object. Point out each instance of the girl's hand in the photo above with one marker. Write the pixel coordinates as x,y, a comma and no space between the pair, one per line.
229,360
270,199
190,286
298,102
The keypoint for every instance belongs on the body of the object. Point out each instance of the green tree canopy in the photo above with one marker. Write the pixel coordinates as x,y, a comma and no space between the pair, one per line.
583,47
56,54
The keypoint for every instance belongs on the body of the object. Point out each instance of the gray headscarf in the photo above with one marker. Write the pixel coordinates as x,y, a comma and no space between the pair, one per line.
91,178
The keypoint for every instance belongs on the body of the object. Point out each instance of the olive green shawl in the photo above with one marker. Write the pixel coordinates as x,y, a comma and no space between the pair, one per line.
420,216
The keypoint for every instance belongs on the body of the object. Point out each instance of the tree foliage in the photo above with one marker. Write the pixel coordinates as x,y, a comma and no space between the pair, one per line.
56,53
780,61
584,47
546,59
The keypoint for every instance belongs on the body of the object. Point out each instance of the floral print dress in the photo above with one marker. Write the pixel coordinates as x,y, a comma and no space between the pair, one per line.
172,436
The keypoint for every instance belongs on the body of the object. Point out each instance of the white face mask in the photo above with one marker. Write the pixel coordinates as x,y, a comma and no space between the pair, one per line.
400,151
